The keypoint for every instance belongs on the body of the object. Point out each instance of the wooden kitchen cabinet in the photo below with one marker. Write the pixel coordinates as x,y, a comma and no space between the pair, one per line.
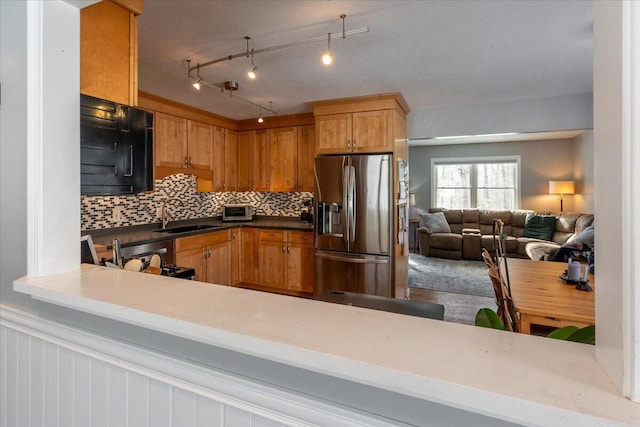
283,158
360,132
333,133
230,160
300,260
225,159
236,255
182,146
306,154
170,142
210,254
245,144
367,124
109,51
199,146
249,257
286,260
261,161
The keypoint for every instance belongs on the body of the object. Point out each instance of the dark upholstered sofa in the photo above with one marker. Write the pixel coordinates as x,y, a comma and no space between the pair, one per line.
472,230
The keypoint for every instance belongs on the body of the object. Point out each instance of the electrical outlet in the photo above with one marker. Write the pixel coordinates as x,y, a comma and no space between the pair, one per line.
159,212
116,214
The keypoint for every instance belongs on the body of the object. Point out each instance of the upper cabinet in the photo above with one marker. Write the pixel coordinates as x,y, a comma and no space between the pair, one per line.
109,50
182,146
306,153
279,159
283,158
359,125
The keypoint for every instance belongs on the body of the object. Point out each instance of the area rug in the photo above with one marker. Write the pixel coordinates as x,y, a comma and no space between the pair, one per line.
446,275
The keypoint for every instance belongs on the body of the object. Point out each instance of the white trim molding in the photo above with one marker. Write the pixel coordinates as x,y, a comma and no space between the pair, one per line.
35,101
201,387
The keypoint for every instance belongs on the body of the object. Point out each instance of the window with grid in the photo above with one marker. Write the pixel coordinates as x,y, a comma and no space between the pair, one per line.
476,183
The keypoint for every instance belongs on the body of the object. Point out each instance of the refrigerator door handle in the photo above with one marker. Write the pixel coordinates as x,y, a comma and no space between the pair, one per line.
352,260
352,203
345,203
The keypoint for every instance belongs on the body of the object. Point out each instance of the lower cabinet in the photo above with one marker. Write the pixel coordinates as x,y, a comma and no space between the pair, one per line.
272,258
286,259
210,254
249,259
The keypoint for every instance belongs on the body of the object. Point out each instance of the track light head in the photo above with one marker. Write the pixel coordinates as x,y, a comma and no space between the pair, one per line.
253,73
197,85
260,119
327,58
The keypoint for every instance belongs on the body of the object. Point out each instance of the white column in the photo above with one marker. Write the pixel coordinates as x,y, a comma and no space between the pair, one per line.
53,137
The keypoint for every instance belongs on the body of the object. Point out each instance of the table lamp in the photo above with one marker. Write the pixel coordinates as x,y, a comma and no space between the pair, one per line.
561,188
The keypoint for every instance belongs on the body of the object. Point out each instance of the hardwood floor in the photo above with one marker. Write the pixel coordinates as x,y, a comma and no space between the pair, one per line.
458,308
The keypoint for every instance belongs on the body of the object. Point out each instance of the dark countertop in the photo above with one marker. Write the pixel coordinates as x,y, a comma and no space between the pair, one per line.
148,233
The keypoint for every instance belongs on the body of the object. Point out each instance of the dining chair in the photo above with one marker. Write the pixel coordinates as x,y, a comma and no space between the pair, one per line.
498,271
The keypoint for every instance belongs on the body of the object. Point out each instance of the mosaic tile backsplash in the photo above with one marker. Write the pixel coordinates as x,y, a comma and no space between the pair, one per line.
99,212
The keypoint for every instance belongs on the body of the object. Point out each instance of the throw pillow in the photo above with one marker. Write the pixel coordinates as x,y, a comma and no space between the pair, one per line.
539,226
436,222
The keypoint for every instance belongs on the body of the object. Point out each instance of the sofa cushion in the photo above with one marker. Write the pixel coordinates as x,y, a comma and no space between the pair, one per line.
436,222
448,241
541,251
539,226
510,244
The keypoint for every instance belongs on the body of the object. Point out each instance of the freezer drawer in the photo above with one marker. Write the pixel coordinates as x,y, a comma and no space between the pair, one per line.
365,274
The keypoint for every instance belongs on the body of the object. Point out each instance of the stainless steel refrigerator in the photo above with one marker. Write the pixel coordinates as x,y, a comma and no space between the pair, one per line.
353,224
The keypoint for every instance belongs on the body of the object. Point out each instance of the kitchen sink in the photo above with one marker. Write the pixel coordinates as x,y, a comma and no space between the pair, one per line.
187,228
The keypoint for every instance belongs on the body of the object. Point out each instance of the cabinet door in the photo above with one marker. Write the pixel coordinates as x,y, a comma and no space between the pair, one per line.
218,159
219,263
170,141
108,53
249,258
333,133
272,264
300,267
372,132
306,152
200,146
230,160
195,258
284,147
235,247
261,161
245,159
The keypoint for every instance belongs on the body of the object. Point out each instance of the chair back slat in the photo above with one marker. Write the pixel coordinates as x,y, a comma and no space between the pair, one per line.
498,271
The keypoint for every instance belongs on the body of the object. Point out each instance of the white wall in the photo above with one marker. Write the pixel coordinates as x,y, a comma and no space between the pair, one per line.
583,168
528,115
541,161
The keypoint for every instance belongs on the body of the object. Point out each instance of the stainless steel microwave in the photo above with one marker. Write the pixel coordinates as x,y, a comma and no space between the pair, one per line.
237,212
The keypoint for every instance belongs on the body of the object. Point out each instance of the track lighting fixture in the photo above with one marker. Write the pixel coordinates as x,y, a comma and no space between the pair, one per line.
260,119
252,73
327,58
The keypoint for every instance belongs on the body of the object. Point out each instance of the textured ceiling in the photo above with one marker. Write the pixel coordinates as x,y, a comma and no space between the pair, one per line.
436,53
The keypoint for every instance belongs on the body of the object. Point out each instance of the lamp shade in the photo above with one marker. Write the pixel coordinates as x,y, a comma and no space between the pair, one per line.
561,187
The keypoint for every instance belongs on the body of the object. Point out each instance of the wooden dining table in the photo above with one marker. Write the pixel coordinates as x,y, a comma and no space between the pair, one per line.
541,297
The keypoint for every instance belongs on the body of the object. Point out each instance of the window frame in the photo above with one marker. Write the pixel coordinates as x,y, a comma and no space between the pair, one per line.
474,182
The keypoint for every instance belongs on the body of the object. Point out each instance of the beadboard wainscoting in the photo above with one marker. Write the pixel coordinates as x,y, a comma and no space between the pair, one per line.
99,212
54,375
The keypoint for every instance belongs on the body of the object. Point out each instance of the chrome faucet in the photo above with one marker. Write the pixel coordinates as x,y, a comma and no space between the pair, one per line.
163,212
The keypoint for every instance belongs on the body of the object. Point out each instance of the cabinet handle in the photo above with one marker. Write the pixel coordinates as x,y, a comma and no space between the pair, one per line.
186,162
283,249
288,250
189,160
354,144
348,143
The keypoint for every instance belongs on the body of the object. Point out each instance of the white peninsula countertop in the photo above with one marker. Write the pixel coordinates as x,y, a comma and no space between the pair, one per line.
515,377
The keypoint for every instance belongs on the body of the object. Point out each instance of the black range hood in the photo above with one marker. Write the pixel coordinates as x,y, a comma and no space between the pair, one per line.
116,148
